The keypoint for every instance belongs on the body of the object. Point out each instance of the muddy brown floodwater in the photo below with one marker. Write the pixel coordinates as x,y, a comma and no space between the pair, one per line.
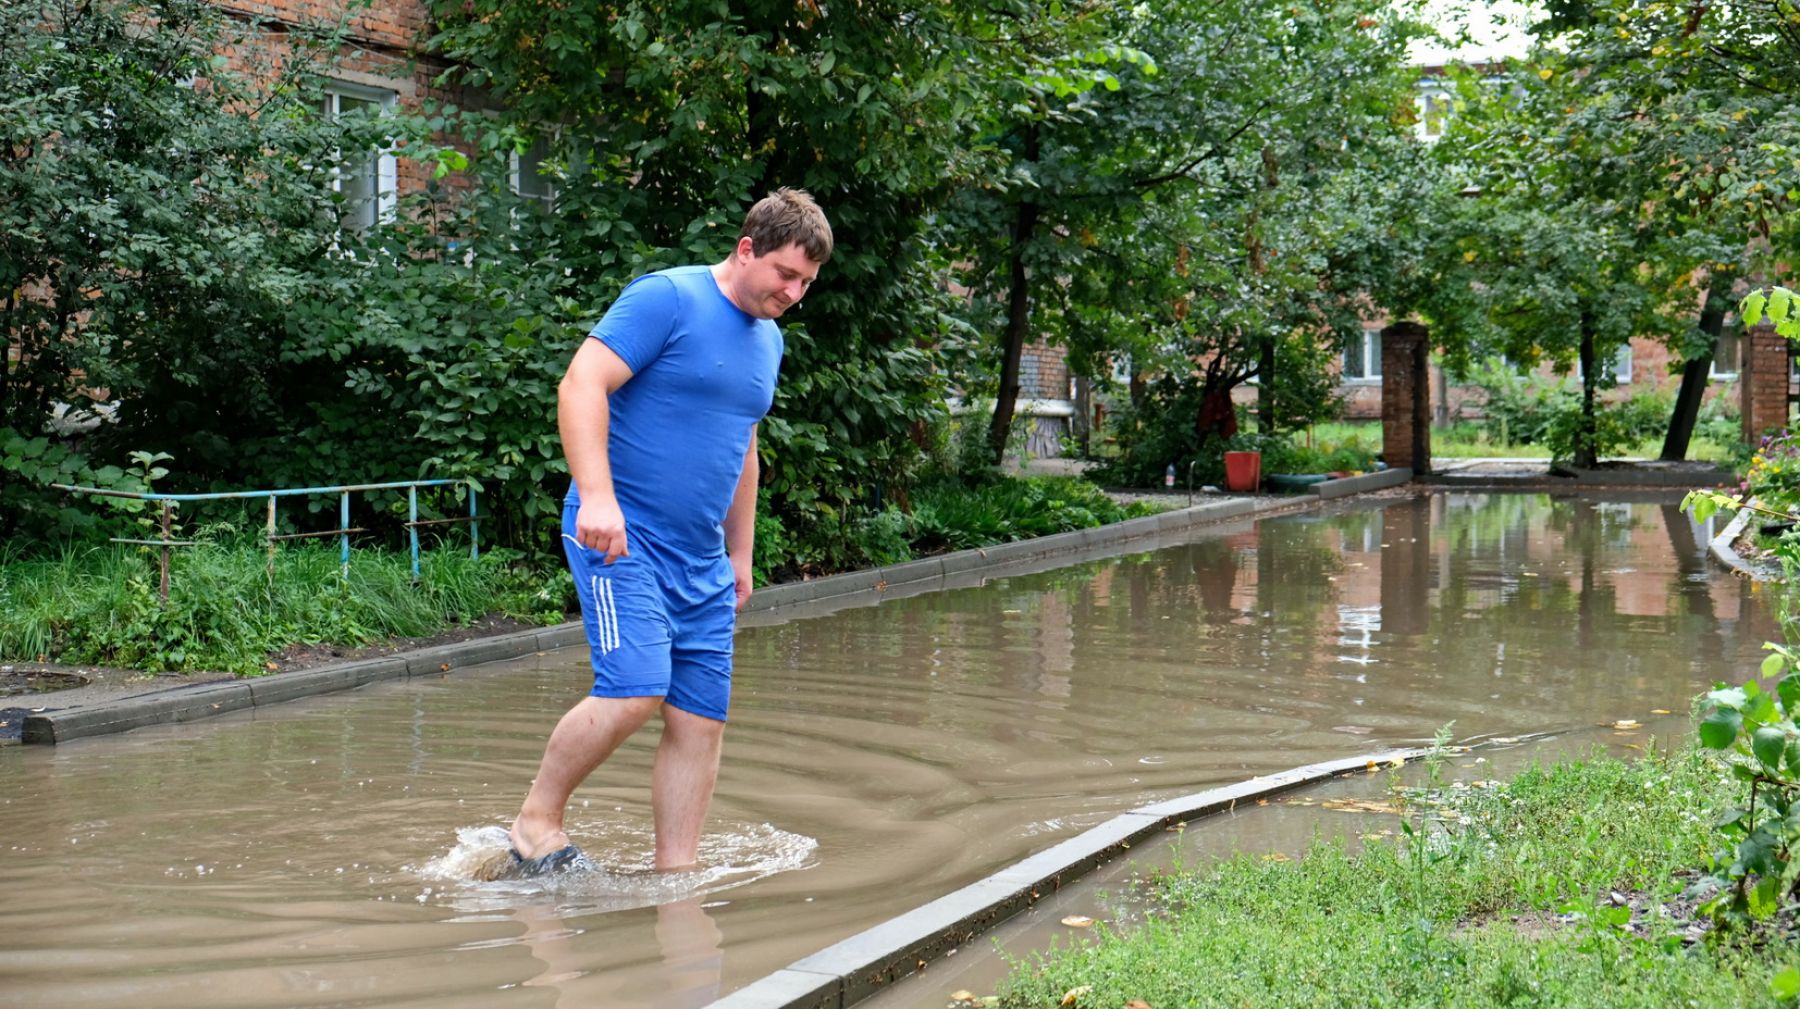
317,854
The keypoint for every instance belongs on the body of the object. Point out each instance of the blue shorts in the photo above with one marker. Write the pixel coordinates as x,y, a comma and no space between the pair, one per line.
659,624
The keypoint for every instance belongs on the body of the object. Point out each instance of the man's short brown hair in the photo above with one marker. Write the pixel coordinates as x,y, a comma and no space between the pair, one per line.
788,217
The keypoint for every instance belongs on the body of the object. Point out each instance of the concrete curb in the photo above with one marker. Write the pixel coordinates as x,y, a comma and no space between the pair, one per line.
878,581
847,972
1725,553
1646,478
194,702
1345,486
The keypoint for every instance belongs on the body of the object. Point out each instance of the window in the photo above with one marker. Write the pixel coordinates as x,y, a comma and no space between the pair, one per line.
366,178
1725,359
1618,369
1362,359
532,179
1433,106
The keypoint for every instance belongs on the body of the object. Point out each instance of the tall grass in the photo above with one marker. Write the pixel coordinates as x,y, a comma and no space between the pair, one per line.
100,605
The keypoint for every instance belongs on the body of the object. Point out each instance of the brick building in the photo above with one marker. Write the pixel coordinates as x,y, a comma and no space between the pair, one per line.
383,65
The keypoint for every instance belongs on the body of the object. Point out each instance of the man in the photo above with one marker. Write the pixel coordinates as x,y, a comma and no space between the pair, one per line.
658,413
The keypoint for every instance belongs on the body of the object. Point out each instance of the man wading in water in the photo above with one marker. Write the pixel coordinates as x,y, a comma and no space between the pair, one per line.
658,414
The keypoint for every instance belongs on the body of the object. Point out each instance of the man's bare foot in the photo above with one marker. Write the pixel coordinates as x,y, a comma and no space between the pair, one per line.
531,845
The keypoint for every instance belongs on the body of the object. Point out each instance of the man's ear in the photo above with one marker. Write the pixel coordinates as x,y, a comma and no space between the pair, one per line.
746,248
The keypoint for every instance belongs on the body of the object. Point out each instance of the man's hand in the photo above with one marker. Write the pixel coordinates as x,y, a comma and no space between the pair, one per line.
742,572
600,525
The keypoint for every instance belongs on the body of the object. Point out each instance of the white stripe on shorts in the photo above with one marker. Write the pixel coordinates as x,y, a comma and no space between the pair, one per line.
612,611
602,635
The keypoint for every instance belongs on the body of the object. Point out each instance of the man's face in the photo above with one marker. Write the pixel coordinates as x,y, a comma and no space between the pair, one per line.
774,282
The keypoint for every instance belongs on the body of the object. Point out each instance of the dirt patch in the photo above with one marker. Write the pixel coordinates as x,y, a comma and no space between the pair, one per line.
79,685
1638,911
309,656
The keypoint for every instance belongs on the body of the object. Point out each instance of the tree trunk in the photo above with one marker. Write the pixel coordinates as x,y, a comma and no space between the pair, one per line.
1696,371
1081,424
1018,315
1584,449
1265,389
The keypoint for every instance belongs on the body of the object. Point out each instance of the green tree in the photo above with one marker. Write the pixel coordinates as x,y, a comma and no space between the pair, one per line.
669,119
160,209
1176,217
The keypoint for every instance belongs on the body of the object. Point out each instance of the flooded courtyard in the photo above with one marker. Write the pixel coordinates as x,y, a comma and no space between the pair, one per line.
317,854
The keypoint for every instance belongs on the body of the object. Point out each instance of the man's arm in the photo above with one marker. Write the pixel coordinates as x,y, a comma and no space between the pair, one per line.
584,419
740,521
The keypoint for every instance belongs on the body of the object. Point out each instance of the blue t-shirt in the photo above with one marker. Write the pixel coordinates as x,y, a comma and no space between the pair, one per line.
702,372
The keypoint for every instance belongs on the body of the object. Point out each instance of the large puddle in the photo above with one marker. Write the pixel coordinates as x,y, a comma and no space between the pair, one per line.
318,853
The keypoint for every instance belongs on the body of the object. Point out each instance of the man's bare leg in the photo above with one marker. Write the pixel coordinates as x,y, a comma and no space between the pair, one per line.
681,784
586,736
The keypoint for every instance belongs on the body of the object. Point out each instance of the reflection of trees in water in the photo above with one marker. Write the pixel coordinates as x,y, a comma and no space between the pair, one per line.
1467,586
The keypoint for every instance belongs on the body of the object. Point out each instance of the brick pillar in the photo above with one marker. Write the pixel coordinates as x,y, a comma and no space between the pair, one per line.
1763,382
1406,397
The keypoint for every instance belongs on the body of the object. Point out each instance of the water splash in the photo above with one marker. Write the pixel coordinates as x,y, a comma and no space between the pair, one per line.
730,856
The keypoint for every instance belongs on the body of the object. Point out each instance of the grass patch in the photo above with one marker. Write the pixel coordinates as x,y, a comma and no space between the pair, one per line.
1467,440
1504,898
100,605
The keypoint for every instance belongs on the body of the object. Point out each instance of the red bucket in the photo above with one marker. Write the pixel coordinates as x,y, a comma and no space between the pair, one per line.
1243,471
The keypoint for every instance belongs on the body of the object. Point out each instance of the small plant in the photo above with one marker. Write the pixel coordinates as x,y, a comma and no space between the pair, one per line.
1754,727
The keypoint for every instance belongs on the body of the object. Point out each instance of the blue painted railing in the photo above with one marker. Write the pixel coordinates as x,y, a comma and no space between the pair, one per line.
413,524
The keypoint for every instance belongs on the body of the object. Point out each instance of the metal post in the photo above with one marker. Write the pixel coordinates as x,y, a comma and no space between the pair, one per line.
412,516
344,524
167,507
271,541
474,526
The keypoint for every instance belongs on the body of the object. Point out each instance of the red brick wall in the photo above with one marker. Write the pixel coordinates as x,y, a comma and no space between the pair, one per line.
1044,372
1764,381
384,51
1405,397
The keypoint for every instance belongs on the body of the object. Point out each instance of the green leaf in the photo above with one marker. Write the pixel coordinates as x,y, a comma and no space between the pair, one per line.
1780,300
1768,745
827,61
1772,666
1720,729
1786,983
1751,308
1789,692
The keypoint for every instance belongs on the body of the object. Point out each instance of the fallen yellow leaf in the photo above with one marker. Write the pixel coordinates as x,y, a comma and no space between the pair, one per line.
1627,723
1078,921
1359,806
1074,994
963,996
1661,711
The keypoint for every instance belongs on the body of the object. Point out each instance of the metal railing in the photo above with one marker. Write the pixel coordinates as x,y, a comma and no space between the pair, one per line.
412,525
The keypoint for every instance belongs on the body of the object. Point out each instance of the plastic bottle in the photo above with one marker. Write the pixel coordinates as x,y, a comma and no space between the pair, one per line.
1169,476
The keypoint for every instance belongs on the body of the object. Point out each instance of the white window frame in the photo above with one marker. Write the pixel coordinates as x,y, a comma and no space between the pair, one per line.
1620,366
515,172
1713,371
386,180
1433,101
1368,348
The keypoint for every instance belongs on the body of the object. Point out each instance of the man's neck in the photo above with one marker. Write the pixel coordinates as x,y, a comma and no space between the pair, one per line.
725,275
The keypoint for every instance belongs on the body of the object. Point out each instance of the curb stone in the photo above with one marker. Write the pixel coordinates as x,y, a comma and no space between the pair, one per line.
197,701
850,971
